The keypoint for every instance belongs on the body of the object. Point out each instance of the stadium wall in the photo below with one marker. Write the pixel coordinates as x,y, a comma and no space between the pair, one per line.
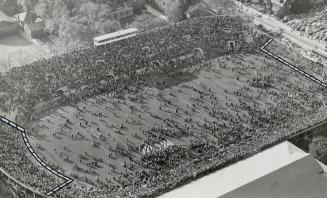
19,190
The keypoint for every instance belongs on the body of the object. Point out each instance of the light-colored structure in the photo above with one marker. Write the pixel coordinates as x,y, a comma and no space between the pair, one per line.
280,171
115,36
32,25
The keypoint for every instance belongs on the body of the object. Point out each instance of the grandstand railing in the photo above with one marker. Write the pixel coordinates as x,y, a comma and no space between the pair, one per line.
20,189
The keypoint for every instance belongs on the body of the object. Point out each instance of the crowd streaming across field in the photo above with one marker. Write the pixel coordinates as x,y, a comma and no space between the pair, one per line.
156,110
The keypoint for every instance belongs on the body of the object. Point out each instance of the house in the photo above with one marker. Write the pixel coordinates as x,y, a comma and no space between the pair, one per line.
8,26
31,24
164,5
120,11
125,10
277,5
283,170
137,5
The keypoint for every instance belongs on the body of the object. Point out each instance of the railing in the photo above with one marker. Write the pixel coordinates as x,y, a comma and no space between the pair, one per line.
20,189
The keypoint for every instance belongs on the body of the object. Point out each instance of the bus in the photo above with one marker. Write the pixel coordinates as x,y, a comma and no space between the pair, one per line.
115,36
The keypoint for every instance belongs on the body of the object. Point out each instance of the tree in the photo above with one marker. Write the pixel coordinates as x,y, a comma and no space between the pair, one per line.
300,5
201,10
96,18
27,4
10,7
73,22
282,12
147,22
176,9
318,148
42,8
269,5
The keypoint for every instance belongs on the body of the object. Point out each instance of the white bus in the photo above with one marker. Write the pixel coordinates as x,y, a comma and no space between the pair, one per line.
115,36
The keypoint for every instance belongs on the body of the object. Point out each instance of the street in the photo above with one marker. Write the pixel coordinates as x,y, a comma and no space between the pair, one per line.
288,32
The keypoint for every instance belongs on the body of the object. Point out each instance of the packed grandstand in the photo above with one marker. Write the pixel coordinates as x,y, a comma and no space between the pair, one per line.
129,66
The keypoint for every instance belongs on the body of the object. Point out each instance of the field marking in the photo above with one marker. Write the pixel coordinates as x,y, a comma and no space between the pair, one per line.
69,180
37,158
285,62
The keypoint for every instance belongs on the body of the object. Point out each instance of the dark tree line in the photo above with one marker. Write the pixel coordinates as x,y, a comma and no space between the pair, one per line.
318,148
69,22
10,7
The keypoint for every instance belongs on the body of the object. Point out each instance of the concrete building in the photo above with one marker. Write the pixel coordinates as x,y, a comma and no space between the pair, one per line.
283,170
31,24
137,5
124,11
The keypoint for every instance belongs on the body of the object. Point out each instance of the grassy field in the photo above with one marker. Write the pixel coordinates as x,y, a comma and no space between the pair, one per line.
232,94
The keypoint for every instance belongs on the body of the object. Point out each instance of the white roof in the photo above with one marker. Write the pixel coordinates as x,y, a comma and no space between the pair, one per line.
4,17
304,178
21,15
114,34
239,174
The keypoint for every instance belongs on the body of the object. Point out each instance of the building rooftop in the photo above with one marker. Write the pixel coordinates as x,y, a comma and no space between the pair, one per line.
274,172
28,17
303,178
117,4
5,19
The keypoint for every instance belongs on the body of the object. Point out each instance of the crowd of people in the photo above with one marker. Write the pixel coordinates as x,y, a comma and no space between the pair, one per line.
297,108
145,60
317,69
236,135
46,84
15,160
82,72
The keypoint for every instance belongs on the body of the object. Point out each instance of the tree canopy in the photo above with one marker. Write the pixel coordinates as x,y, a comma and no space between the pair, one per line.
318,148
74,21
10,7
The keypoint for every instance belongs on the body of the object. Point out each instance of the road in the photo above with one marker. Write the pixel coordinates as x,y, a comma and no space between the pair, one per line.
288,32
